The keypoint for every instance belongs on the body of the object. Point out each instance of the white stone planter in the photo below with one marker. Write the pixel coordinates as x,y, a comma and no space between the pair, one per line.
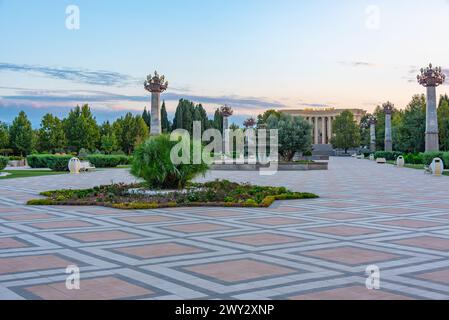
74,165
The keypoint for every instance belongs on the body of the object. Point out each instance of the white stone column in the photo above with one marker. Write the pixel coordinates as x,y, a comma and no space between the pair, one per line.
316,130
323,135
329,129
156,128
388,141
432,139
372,136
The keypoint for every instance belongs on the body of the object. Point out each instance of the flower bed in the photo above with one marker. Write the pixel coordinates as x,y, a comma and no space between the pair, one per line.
220,193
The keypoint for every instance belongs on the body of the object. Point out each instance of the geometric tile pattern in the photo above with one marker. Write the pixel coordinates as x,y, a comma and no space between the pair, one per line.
368,214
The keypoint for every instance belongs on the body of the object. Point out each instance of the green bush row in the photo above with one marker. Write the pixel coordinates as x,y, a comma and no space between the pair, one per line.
53,162
424,158
3,162
108,161
60,163
388,155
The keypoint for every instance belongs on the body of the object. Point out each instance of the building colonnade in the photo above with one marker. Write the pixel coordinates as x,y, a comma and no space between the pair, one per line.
322,128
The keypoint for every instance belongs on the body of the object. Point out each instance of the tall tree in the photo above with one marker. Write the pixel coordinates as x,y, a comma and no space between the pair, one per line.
443,122
130,131
146,116
346,132
365,134
4,136
50,136
262,118
21,135
165,124
81,129
411,133
218,121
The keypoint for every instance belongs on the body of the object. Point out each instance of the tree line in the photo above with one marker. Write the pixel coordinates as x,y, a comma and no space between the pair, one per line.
80,130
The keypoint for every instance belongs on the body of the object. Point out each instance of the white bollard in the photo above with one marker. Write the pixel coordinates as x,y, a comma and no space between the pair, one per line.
371,157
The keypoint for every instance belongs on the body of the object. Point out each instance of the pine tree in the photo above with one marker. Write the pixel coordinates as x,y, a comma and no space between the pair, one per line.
443,122
165,124
21,135
146,116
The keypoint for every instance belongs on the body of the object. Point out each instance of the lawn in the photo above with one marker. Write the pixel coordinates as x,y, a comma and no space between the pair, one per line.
16,174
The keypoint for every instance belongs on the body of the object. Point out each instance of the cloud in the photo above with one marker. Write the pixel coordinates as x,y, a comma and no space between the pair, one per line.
357,64
42,98
101,77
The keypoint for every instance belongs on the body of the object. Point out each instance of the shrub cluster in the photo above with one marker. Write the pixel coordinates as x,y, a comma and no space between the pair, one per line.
53,162
60,162
388,155
3,162
107,161
152,162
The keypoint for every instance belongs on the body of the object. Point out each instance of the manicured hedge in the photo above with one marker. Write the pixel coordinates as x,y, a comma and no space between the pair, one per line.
389,155
53,162
3,162
108,161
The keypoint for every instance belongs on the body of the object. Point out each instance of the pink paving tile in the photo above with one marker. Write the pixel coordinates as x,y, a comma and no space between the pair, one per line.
441,276
411,223
396,210
64,224
276,221
106,288
340,205
32,263
351,293
340,216
436,205
159,250
287,209
350,255
344,231
240,270
147,219
263,239
27,216
12,243
198,227
219,213
96,236
426,242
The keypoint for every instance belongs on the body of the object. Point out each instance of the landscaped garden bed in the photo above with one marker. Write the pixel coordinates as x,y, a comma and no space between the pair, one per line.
221,193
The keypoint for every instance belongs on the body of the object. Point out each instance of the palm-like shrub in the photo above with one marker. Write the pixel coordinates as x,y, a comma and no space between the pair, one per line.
152,162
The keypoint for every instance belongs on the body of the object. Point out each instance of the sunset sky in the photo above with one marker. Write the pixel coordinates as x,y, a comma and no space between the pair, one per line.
250,54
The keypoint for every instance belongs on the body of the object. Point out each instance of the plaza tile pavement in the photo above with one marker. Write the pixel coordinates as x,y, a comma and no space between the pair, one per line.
368,214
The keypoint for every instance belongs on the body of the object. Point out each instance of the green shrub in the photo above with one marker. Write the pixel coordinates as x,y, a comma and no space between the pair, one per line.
53,162
413,158
152,162
429,156
388,155
3,162
107,161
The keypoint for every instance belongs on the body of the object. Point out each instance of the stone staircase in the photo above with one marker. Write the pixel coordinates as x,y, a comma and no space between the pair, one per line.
323,150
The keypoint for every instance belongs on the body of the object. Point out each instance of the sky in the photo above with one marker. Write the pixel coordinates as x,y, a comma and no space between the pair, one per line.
251,54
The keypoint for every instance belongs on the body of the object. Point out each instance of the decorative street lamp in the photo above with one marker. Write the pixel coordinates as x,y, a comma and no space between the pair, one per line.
156,85
431,78
226,111
388,109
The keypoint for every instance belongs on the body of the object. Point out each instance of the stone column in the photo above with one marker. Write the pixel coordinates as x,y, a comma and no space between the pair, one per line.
156,85
388,109
431,78
316,130
372,122
432,139
226,140
323,136
329,129
156,128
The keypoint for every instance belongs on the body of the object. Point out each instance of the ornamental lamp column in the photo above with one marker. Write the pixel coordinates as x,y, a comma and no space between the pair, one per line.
226,111
431,78
388,109
156,85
